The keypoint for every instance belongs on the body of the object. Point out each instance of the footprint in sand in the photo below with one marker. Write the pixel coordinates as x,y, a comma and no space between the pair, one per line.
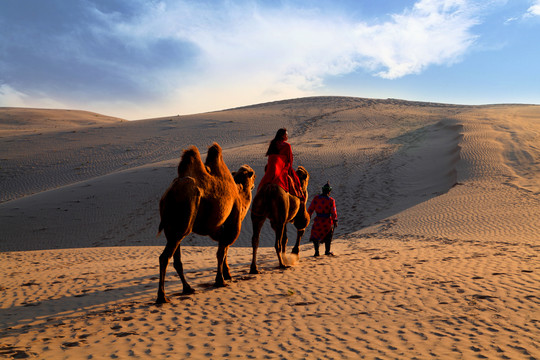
304,303
15,352
126,333
70,344
483,297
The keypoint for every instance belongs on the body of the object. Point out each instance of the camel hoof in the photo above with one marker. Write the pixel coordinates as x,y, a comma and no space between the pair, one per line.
188,291
162,300
295,251
254,271
220,285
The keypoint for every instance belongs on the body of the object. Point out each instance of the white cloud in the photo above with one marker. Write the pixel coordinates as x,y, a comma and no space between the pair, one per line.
511,20
431,33
534,10
194,56
281,52
11,97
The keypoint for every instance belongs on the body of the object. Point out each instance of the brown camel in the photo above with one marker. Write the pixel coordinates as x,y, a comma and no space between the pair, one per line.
205,199
272,202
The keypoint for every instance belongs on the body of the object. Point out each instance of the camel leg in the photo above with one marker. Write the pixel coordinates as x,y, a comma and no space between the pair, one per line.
221,253
180,270
257,223
226,269
299,234
164,259
284,241
279,230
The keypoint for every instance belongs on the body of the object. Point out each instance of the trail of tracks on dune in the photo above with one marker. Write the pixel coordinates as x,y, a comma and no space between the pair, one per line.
495,197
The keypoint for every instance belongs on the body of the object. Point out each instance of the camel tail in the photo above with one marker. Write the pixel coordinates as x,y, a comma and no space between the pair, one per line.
160,229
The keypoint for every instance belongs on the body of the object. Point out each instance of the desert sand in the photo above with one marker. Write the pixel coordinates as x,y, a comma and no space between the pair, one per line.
437,249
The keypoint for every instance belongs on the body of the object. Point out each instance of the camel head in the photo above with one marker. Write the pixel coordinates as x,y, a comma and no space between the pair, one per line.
303,175
245,176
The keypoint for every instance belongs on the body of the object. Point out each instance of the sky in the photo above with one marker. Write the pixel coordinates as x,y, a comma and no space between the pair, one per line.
139,59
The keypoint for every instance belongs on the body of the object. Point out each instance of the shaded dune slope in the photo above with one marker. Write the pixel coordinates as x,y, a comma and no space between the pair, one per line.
498,177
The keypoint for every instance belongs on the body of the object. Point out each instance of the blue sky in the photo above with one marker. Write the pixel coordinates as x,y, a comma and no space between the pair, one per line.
138,59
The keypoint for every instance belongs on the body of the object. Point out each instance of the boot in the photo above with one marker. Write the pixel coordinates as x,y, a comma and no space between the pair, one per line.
327,242
316,246
327,249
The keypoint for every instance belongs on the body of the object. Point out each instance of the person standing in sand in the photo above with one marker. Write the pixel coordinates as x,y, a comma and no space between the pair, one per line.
279,168
325,221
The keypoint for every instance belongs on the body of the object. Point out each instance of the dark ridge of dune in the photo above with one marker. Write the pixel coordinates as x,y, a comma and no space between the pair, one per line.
20,120
342,100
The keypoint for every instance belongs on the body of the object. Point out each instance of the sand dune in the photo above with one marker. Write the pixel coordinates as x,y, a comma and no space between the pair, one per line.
437,244
21,121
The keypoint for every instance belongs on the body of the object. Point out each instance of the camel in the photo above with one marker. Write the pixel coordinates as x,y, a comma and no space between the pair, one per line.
272,202
205,199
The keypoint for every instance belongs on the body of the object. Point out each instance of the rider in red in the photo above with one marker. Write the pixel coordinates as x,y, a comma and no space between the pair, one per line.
279,169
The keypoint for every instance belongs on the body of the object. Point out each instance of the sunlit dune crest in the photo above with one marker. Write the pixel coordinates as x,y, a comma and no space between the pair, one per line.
24,120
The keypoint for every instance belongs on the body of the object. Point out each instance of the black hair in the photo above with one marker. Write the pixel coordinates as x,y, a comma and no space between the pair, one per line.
280,136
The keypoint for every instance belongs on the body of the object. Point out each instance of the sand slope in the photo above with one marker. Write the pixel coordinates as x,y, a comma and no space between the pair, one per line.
437,244
21,121
79,178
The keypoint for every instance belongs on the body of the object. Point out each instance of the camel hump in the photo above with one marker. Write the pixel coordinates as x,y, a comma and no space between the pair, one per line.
191,163
214,161
214,151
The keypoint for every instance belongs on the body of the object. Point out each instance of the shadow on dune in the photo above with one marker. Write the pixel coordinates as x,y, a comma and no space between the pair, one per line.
423,167
117,301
